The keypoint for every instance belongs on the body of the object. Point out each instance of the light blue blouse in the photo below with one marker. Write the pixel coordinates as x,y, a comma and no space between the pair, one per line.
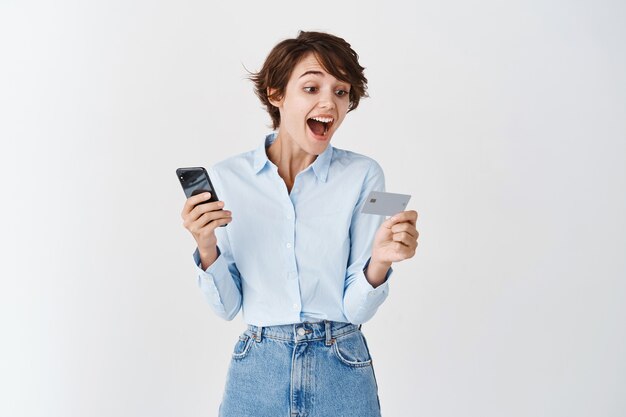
294,257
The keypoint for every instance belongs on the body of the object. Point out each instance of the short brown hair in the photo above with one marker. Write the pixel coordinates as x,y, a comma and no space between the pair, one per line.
334,54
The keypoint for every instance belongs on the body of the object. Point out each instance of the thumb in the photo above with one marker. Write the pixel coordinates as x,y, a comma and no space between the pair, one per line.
389,222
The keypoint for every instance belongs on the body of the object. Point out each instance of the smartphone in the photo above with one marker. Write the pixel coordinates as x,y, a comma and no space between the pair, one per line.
196,181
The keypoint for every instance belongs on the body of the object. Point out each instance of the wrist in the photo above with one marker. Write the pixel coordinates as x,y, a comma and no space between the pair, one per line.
207,256
379,264
206,246
376,272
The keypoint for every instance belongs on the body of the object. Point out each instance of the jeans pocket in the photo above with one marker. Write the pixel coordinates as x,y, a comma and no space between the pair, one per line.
352,351
242,347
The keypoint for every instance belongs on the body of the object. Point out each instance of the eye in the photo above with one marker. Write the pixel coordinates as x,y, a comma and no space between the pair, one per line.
310,89
341,93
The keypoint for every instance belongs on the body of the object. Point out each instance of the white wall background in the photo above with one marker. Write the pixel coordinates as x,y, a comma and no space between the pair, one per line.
505,120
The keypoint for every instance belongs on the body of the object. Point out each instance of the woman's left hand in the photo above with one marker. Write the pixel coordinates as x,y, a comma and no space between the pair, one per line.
396,239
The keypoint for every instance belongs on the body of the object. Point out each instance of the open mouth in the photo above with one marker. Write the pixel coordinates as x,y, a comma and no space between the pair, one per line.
320,125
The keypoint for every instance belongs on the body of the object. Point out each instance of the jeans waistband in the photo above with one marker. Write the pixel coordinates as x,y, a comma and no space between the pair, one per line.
322,330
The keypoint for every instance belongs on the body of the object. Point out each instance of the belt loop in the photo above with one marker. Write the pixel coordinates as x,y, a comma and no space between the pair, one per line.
329,336
257,335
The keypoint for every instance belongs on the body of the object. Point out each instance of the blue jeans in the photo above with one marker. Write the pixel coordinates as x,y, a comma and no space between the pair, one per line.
321,369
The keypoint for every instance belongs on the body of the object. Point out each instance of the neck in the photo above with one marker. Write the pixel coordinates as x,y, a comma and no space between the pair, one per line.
289,158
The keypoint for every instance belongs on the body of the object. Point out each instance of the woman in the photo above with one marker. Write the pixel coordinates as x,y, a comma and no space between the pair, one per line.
300,260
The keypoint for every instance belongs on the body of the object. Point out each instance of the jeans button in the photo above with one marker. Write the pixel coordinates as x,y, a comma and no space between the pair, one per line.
301,331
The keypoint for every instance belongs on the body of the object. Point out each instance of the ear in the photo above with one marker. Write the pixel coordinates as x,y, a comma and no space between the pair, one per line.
273,102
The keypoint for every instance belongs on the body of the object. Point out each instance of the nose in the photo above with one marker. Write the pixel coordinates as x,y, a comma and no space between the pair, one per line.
327,100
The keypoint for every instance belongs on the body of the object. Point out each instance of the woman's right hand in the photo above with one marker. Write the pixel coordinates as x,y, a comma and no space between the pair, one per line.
202,220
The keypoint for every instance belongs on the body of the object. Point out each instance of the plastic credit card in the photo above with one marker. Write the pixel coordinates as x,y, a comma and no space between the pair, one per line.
385,204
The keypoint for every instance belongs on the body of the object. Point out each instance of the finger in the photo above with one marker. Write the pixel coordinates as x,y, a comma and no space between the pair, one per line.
210,227
195,224
193,201
404,238
404,216
402,251
200,209
405,227
396,218
210,217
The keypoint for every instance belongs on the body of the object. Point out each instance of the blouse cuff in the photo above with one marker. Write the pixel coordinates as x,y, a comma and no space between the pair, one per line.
374,296
208,279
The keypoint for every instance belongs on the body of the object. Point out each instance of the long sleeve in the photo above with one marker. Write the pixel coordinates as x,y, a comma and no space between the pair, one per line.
290,257
361,300
221,282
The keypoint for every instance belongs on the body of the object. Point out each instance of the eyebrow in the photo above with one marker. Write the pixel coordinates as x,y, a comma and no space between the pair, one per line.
312,72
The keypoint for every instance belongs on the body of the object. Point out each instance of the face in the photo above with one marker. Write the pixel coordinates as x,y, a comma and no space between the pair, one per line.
313,106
